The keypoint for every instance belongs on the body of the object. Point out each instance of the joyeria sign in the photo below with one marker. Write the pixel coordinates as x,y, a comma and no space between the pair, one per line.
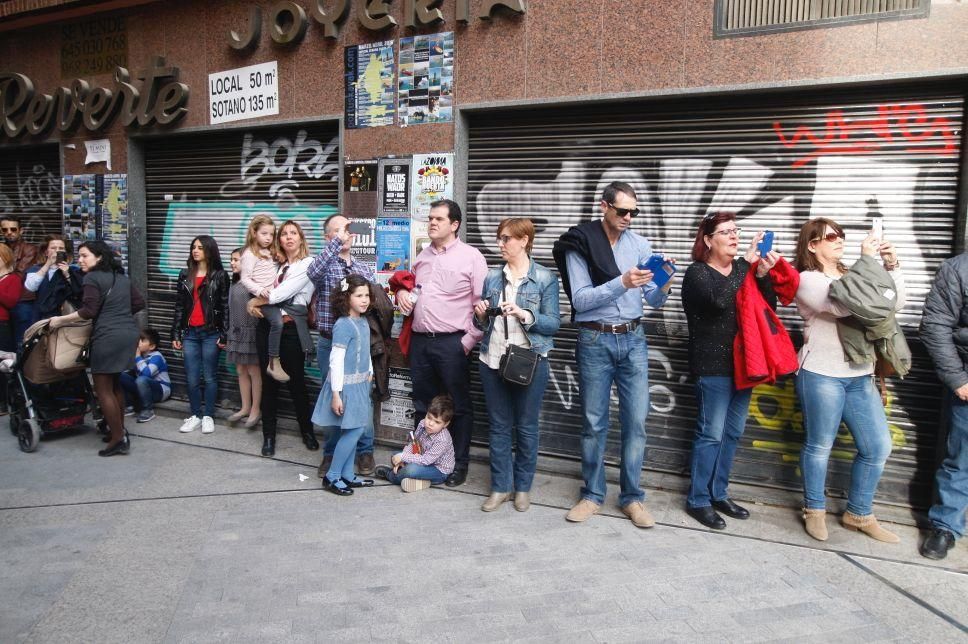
158,98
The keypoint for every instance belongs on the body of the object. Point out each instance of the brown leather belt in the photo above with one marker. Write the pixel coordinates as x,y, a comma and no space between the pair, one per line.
618,329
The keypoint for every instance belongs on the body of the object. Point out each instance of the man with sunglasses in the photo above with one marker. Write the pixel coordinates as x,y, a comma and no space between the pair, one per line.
25,256
598,262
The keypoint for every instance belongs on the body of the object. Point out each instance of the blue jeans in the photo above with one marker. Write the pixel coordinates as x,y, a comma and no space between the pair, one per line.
201,360
825,402
720,422
365,444
603,358
414,471
140,392
952,477
512,407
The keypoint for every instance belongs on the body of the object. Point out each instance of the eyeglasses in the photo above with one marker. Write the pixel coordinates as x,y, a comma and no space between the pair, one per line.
729,232
621,212
830,237
504,239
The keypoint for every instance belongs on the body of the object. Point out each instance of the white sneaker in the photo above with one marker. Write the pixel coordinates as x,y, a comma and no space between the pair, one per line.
208,425
191,424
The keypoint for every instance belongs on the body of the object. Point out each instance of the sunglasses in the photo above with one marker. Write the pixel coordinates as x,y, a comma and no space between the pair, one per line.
830,237
621,212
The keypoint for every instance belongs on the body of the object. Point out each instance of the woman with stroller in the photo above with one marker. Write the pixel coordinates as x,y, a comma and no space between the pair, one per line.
111,300
199,328
57,280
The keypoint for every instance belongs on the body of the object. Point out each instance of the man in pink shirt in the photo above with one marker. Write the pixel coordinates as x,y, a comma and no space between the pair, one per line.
450,279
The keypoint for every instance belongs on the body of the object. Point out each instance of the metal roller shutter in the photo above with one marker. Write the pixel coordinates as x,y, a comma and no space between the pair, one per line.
776,160
30,186
212,184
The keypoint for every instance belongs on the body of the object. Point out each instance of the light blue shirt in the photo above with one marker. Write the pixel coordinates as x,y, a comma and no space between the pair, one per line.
611,302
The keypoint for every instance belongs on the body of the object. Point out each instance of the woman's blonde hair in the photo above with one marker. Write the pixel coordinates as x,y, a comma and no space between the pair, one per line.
6,256
303,246
251,241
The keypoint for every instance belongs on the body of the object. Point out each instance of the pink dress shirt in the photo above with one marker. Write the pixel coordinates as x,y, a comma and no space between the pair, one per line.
451,281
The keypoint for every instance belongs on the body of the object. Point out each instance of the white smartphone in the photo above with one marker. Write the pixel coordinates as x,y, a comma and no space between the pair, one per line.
877,228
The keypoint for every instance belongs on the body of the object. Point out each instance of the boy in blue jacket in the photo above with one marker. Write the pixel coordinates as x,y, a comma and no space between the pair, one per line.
148,383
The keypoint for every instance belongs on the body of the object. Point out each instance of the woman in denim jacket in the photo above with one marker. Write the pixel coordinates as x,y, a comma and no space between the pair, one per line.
520,307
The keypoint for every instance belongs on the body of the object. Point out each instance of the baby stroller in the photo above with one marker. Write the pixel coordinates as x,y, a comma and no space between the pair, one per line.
48,389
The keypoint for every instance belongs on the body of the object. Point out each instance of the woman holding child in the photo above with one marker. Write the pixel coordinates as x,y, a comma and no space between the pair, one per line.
519,307
289,294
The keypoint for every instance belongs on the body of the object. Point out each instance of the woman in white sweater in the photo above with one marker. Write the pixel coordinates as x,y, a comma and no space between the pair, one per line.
831,389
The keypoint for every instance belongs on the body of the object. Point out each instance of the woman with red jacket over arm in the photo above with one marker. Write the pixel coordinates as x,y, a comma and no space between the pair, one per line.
709,296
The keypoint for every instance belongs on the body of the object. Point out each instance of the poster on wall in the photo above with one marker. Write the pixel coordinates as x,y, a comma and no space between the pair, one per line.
114,213
433,179
360,195
80,207
96,207
395,187
425,88
369,79
364,242
398,411
392,244
419,239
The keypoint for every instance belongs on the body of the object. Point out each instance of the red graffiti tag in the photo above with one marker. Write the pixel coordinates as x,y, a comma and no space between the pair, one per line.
909,126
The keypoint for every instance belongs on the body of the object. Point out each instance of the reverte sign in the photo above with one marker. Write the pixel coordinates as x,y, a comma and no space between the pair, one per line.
158,98
93,47
288,20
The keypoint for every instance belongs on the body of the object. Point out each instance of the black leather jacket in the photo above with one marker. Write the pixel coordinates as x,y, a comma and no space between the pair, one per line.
214,297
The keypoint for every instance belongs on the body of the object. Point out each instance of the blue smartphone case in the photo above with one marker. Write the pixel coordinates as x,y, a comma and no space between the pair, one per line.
662,271
766,244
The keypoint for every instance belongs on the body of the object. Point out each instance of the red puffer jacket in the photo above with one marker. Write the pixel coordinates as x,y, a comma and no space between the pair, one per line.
762,350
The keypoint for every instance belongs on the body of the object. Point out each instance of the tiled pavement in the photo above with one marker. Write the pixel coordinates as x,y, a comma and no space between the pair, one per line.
195,538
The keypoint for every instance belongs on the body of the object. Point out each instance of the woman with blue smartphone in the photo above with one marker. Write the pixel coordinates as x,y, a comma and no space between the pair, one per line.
709,297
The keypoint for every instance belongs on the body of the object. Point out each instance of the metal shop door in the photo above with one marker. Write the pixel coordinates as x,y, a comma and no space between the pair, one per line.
776,160
213,184
30,186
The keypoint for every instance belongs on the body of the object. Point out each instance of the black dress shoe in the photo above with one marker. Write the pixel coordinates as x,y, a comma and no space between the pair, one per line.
730,509
358,482
123,446
269,446
457,477
707,516
383,471
309,440
107,437
339,488
938,543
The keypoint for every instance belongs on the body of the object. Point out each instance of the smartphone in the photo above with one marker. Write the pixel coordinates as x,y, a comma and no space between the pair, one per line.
766,244
877,228
662,271
359,228
61,257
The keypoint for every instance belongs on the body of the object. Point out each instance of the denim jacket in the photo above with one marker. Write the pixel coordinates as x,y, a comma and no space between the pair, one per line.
537,294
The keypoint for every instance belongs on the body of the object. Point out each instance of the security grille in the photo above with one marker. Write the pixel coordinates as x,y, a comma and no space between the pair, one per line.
775,161
213,184
750,17
30,187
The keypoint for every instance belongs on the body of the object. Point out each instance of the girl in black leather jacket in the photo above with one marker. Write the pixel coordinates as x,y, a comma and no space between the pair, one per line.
199,328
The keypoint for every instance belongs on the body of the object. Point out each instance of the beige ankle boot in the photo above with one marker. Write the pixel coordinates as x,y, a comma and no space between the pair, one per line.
494,501
869,526
276,371
815,523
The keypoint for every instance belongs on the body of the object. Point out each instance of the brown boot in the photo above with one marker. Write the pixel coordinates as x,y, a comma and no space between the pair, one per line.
869,526
365,465
816,524
324,466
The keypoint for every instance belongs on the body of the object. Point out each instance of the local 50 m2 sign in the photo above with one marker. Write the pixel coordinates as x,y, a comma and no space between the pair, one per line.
244,93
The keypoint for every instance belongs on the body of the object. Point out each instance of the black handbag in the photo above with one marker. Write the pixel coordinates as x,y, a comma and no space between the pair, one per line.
517,364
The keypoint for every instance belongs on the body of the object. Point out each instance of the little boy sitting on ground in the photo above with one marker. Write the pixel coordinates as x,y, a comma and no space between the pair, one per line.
148,383
429,458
